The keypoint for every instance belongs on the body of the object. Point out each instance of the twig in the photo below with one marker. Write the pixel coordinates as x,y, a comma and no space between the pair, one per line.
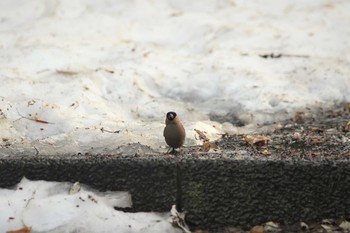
109,131
37,151
106,70
202,135
32,198
67,72
35,119
279,55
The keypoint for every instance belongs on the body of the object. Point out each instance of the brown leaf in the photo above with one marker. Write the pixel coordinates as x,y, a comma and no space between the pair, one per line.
346,106
67,72
233,230
346,127
257,229
209,145
22,230
200,231
317,130
299,117
36,119
266,152
257,140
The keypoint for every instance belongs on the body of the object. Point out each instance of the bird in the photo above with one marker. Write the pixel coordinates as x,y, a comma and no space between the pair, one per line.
174,132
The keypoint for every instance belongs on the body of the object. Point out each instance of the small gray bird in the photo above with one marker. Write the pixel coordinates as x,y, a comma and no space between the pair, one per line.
174,132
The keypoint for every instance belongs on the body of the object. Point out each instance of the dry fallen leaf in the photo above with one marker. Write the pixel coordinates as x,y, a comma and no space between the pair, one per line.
36,119
266,152
209,145
67,72
299,117
200,231
317,130
257,229
22,230
233,230
346,127
346,106
257,140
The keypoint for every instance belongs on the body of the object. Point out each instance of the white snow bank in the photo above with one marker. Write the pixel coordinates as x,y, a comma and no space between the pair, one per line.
70,68
49,207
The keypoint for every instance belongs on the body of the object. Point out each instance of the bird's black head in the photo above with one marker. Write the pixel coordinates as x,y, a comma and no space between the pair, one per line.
171,116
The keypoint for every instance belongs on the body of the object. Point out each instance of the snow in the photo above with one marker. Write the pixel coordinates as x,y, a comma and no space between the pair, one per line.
70,71
120,65
49,207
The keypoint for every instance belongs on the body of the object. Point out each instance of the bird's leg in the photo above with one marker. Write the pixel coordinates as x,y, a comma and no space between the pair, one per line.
170,153
173,151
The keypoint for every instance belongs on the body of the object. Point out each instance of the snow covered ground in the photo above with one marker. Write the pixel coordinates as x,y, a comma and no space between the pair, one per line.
70,70
64,208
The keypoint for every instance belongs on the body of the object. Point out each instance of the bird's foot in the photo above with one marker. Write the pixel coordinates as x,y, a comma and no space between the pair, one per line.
173,151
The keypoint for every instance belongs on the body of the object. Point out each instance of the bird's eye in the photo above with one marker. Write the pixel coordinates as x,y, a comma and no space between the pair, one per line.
171,115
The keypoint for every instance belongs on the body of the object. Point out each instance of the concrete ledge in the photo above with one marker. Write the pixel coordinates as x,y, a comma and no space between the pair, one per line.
152,182
249,192
215,192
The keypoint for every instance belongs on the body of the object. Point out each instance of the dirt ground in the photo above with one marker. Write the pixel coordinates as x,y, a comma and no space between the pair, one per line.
341,225
321,134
